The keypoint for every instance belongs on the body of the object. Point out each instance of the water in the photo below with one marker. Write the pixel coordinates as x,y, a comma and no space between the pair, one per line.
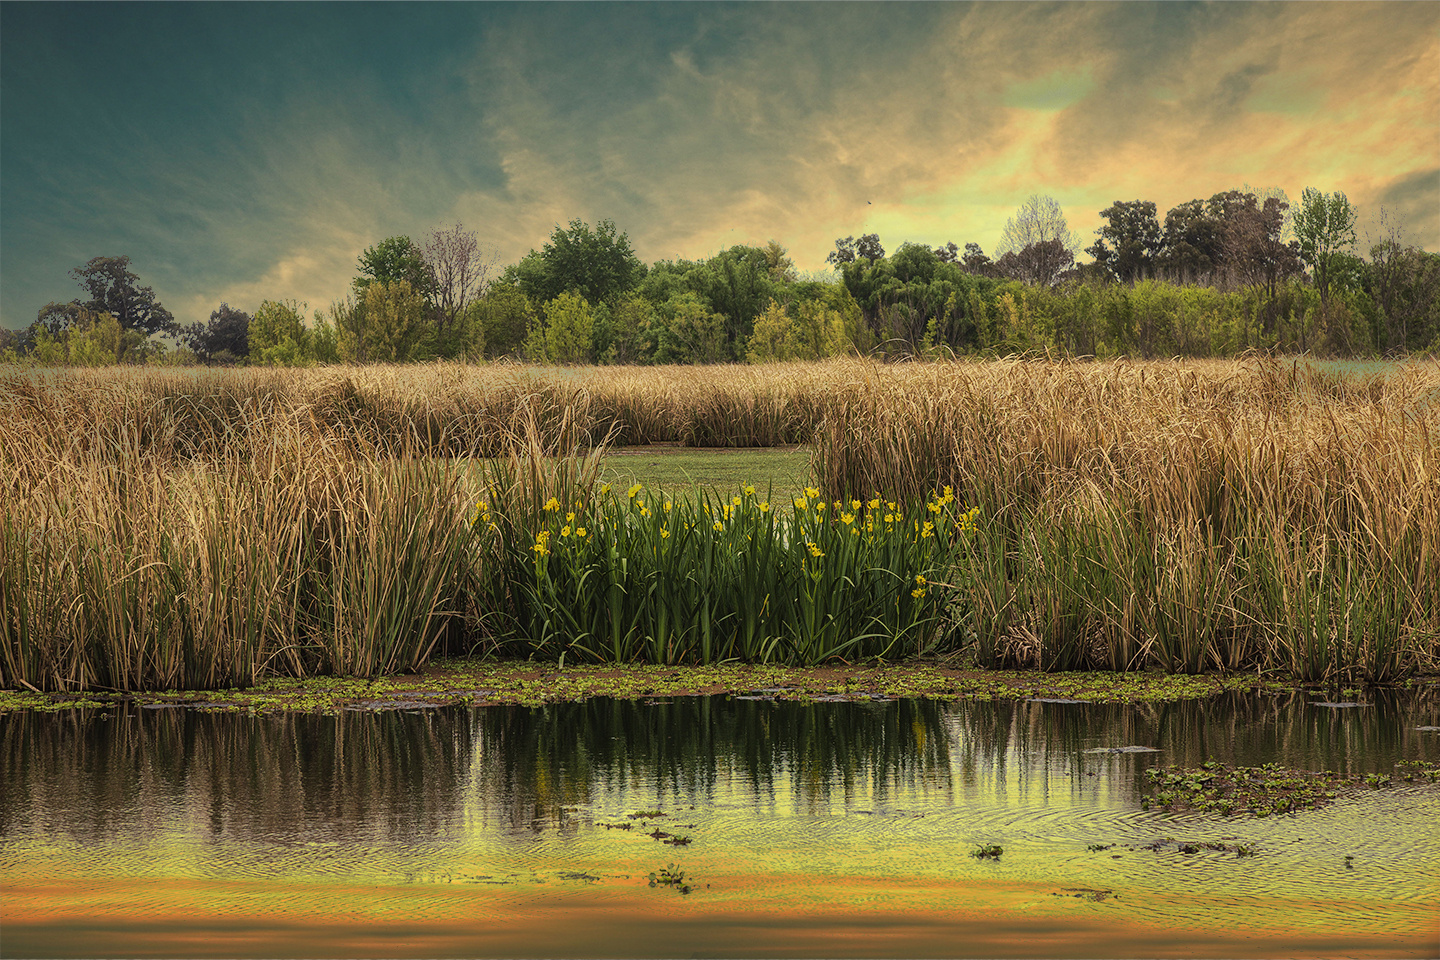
833,829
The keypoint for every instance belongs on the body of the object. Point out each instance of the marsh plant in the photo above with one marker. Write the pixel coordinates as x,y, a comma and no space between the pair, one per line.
162,529
698,578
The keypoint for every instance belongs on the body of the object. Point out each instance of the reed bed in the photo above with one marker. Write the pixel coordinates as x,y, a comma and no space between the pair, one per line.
199,529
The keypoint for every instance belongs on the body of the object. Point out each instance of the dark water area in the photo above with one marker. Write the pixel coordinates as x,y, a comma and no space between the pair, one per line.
815,829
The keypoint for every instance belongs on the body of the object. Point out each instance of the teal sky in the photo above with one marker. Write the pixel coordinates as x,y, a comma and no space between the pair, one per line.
239,151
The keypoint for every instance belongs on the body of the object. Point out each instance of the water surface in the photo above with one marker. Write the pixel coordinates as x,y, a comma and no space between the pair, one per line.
836,829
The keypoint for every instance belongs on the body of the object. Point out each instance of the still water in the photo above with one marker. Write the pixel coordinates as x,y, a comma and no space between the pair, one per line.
822,829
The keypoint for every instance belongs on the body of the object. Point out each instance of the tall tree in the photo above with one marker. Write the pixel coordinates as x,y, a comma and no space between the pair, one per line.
1252,251
598,264
1191,248
225,339
1404,283
1325,229
115,290
849,250
1129,240
459,271
390,261
1039,219
1040,263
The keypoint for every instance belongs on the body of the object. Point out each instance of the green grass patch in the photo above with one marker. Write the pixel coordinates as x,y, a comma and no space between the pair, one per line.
785,470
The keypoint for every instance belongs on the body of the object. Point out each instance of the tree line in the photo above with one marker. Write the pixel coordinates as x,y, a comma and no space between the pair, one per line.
1238,271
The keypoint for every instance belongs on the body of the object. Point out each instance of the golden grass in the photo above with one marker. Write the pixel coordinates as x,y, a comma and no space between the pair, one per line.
1189,515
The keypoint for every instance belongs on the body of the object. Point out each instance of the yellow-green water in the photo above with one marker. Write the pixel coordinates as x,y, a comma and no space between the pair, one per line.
815,830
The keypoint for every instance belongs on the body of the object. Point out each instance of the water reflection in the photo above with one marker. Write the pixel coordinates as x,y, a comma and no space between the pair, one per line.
279,779
484,831
395,775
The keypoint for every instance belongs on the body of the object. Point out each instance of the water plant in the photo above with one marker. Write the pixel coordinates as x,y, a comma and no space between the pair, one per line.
670,876
989,851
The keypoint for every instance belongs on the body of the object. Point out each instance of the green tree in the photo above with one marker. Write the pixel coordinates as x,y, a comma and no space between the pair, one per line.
503,318
691,332
1324,227
394,322
598,265
390,261
568,328
1325,230
632,335
1129,240
278,335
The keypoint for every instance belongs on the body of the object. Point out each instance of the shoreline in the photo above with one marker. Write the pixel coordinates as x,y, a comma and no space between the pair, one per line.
476,682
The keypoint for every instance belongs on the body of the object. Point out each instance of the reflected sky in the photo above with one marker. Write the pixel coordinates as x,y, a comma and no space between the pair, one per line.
821,829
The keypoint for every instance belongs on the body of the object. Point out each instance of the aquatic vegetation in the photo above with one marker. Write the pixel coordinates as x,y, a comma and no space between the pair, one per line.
1265,790
700,578
989,851
671,876
526,683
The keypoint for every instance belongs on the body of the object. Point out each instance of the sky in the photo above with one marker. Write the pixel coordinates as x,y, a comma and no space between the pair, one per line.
238,152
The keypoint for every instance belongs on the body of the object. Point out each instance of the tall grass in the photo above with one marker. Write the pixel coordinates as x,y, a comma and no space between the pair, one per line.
163,529
1188,517
288,553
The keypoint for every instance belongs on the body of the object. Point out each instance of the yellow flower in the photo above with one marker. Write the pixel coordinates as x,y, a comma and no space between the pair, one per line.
928,530
580,532
552,505
814,550
667,506
920,580
719,526
918,592
735,501
604,488
811,492
644,511
664,533
855,504
565,530
570,517
750,491
635,490
765,506
847,518
874,504
820,506
799,503
889,518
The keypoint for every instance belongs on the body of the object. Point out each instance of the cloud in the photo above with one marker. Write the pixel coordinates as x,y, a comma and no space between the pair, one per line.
261,168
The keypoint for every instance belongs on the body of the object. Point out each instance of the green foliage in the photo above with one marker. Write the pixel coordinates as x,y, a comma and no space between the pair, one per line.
501,320
1325,229
699,579
395,324
598,265
569,325
277,334
808,330
393,260
691,333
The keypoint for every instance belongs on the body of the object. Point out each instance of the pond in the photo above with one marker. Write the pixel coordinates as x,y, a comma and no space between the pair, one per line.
798,829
